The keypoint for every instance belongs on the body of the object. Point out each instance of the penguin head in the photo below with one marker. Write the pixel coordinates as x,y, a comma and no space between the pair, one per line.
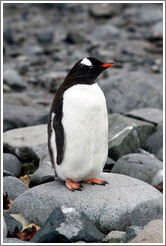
89,68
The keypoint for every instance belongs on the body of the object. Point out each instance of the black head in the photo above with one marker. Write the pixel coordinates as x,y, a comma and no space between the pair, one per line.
89,68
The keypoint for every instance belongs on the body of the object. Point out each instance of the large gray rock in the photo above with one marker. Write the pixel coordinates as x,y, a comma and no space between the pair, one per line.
16,116
126,90
67,225
28,143
152,115
141,166
14,80
152,233
13,186
126,135
109,208
154,144
146,211
11,164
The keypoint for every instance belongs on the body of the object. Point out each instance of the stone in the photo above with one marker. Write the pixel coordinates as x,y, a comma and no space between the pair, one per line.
4,228
140,166
44,36
14,241
67,225
43,173
127,90
14,80
117,199
13,186
23,116
157,31
115,237
102,10
11,164
154,144
75,36
152,115
7,173
19,142
32,50
11,223
152,233
146,211
131,232
126,135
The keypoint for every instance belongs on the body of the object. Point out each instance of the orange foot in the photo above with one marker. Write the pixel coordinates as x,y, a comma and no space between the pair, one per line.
96,181
71,185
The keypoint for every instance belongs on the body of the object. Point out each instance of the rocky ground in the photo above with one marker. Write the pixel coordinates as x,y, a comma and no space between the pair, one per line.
41,43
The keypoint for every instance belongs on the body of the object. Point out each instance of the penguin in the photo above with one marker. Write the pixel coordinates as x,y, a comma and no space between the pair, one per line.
78,126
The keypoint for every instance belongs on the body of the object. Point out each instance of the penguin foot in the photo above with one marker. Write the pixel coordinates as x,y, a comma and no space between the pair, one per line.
71,185
96,181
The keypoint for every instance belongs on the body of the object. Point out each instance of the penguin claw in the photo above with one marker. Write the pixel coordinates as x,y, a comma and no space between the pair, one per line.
94,181
71,185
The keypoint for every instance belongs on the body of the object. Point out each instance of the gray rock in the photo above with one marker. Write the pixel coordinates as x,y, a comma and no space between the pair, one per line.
13,186
152,115
32,50
19,142
146,211
11,223
154,144
115,237
121,87
75,36
126,135
103,10
44,36
4,228
152,233
123,192
109,164
131,232
14,80
140,166
11,164
157,30
14,241
7,173
23,116
66,225
42,174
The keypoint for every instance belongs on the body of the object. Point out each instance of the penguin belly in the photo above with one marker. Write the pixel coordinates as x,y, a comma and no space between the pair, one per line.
85,124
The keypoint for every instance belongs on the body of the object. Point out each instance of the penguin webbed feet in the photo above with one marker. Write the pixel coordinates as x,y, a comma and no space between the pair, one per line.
94,181
71,185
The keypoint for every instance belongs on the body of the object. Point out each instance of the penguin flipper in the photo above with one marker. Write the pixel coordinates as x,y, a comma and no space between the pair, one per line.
59,133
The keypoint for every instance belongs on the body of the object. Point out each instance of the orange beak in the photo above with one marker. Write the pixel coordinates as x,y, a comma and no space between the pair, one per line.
108,64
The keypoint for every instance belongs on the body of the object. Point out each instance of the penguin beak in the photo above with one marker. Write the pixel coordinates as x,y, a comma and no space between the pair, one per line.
107,64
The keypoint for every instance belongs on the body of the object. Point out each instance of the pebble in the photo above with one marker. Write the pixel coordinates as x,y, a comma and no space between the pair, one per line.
44,36
124,192
152,233
146,211
67,225
140,166
11,164
13,186
14,80
115,237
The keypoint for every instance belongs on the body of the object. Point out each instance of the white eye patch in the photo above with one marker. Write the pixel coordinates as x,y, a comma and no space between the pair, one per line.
86,62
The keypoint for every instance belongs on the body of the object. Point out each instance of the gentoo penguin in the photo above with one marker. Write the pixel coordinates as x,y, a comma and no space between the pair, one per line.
78,126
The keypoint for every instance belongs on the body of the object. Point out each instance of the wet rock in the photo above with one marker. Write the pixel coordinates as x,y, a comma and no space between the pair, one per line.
66,225
14,80
11,164
12,223
140,166
154,144
126,135
13,186
19,142
123,192
23,116
115,237
152,233
146,211
131,232
44,36
152,115
126,91
44,173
